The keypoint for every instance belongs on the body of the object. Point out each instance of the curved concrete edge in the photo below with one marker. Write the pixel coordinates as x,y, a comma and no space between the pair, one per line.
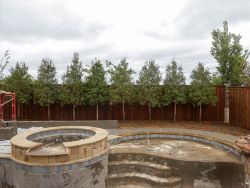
64,152
218,143
23,148
21,140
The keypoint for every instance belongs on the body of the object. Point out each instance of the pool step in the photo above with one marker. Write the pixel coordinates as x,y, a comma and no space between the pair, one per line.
149,168
133,155
122,179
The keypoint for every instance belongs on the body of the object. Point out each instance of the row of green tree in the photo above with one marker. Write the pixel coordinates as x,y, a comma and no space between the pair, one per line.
90,85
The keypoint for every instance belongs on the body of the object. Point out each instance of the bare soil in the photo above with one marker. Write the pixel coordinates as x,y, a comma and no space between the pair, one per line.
206,126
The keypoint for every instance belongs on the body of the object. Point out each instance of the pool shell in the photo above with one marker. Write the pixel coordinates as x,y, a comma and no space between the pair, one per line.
36,171
194,173
217,143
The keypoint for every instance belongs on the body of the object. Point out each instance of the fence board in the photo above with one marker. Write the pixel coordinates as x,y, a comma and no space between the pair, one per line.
239,105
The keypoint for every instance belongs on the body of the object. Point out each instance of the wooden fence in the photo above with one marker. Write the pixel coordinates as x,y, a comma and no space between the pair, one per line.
239,106
185,112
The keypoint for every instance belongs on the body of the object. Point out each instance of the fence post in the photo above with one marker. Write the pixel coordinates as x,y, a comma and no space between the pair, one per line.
226,109
247,108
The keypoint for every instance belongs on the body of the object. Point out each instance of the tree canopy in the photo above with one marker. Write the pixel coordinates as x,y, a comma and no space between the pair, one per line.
232,58
121,81
45,91
148,82
121,88
19,81
72,82
174,86
72,87
96,86
201,90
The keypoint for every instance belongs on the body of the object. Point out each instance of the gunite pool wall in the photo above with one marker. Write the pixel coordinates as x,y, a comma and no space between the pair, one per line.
188,170
221,144
57,161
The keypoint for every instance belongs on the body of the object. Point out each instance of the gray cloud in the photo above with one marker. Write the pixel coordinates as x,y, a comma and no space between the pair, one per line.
26,21
199,18
27,26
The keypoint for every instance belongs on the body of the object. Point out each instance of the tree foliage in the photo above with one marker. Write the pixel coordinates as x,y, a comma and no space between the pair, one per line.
231,57
45,91
96,85
148,85
121,88
174,86
72,87
19,81
121,81
201,89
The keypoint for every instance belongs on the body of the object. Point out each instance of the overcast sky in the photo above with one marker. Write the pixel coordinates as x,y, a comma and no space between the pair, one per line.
112,29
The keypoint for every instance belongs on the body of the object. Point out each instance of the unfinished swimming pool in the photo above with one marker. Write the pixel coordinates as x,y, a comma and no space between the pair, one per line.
88,157
174,160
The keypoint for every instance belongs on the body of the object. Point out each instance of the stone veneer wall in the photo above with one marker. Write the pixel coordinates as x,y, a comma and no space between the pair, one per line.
75,153
89,173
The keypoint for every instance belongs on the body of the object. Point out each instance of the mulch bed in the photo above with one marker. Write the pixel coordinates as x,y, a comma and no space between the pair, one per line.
207,126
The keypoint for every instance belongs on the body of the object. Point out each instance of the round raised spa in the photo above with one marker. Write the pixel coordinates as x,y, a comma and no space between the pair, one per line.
60,157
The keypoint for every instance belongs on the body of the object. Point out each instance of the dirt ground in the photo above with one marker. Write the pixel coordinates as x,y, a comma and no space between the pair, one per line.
208,126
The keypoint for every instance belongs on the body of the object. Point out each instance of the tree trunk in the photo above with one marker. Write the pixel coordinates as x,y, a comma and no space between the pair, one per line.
22,114
97,111
61,112
200,114
123,110
149,111
48,112
26,114
74,112
174,112
162,113
18,110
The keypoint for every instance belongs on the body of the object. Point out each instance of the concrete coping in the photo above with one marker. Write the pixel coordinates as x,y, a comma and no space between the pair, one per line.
59,144
222,144
22,141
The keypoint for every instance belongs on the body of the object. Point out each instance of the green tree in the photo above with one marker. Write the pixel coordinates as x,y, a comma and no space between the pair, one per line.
174,86
121,89
72,87
148,85
3,63
216,79
230,55
19,81
96,86
201,89
45,89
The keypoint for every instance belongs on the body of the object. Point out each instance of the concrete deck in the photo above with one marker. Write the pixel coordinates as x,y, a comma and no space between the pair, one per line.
216,135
